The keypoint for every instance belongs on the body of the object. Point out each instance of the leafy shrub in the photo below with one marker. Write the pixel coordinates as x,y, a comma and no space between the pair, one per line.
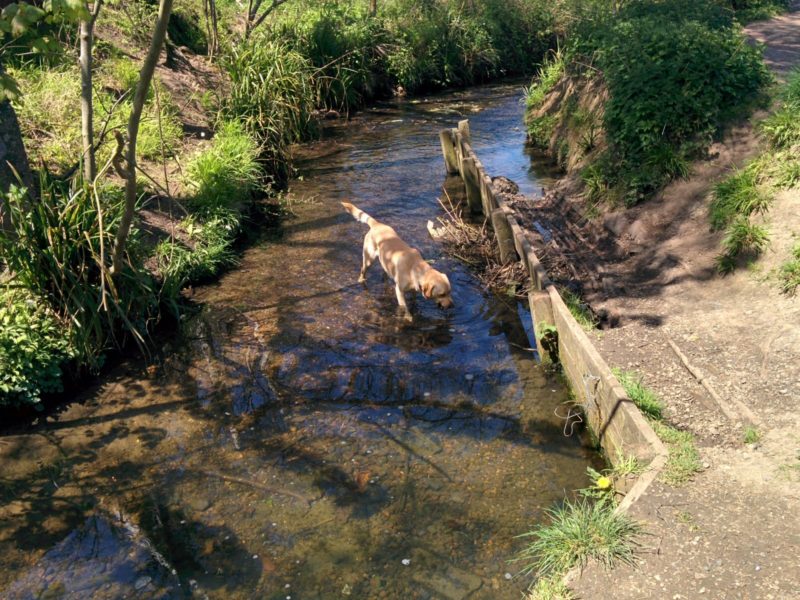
58,248
676,71
33,349
757,10
226,173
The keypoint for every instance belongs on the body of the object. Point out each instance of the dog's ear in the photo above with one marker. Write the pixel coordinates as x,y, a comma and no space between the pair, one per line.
427,289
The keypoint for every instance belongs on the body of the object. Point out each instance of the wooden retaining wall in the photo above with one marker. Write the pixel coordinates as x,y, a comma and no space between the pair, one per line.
619,426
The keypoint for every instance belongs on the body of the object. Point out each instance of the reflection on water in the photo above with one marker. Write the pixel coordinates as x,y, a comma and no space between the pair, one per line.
301,439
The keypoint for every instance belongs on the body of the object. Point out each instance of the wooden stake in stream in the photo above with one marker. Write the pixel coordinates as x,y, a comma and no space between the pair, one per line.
449,151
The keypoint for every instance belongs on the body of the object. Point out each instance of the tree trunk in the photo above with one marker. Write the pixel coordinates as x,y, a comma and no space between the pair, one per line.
12,155
145,77
373,7
87,125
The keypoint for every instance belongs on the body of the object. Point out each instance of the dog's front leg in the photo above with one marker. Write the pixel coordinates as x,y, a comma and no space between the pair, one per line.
401,300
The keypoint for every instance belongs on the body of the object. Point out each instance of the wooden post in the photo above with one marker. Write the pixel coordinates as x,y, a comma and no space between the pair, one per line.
491,201
471,183
504,235
463,129
449,151
544,324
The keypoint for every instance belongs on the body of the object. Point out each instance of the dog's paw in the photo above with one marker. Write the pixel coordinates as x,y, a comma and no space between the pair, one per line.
362,279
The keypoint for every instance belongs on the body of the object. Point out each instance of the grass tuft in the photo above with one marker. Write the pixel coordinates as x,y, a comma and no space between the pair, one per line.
790,272
549,588
579,309
684,460
642,396
739,194
751,435
226,173
580,531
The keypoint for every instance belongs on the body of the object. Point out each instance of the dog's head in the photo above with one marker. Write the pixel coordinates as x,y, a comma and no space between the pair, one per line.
436,286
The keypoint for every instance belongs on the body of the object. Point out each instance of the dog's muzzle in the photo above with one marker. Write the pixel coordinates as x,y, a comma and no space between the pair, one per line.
445,302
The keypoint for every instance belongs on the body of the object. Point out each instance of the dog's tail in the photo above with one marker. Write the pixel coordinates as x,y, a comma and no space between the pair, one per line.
359,215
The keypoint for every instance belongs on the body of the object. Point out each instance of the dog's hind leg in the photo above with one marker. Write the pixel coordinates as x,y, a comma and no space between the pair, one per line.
367,256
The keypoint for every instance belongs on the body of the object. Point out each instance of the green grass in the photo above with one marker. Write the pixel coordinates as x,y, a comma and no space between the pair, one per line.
210,251
578,532
790,272
740,194
735,200
684,460
625,466
227,173
549,588
49,114
579,310
741,237
549,75
273,95
642,396
751,435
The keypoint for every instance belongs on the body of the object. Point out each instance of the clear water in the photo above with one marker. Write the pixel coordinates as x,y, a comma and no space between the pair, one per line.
300,439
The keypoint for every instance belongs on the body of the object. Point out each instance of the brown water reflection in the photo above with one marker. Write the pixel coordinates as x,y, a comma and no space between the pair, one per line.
300,439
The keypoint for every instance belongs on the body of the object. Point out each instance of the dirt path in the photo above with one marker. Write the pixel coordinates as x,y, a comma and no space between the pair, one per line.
734,531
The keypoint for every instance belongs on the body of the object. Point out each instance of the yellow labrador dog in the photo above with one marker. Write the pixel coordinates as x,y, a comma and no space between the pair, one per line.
401,262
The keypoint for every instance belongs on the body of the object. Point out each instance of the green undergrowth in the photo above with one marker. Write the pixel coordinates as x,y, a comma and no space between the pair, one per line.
50,117
588,528
790,272
684,460
66,308
541,127
747,11
579,309
33,349
676,73
747,194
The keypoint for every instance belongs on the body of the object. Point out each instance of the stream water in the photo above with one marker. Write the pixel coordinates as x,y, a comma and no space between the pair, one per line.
300,439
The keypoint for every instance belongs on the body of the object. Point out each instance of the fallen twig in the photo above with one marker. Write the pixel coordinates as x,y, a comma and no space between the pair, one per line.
257,485
731,413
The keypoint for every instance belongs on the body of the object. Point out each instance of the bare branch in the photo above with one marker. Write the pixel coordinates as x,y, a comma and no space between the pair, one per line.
275,4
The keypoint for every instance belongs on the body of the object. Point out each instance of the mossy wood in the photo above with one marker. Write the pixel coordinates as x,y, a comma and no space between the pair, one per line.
618,424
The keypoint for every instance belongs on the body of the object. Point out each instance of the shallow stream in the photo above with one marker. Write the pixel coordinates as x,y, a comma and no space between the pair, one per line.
300,439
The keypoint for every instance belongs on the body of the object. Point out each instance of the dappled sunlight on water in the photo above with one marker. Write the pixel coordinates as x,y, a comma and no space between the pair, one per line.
301,438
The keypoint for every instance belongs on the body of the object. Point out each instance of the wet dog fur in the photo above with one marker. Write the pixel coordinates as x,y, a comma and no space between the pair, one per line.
401,262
